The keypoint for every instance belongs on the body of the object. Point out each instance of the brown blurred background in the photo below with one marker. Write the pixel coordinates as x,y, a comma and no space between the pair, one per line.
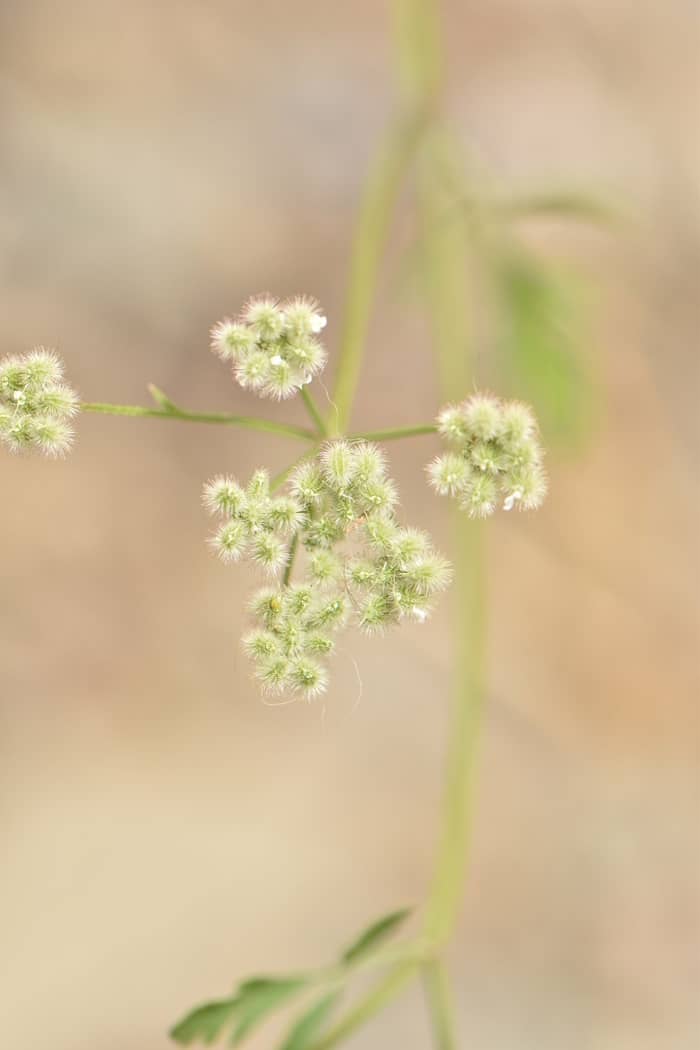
162,831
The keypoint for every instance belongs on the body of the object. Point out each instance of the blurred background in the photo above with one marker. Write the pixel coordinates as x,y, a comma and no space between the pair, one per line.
162,831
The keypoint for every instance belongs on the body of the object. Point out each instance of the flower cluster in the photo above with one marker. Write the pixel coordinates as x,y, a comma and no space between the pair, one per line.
36,406
255,522
495,456
362,567
272,345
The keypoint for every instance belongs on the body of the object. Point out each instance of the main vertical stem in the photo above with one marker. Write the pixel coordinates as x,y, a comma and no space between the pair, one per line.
469,642
446,282
380,194
417,37
439,999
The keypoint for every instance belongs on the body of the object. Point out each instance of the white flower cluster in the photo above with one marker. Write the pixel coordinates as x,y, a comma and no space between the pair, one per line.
36,406
496,456
362,567
272,345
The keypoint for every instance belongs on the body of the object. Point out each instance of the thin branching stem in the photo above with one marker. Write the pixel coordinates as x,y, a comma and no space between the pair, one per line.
291,555
314,412
184,415
394,433
377,998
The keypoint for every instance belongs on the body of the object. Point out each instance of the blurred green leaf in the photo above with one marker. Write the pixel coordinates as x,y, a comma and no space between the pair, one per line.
259,997
254,1000
565,204
305,1029
375,934
542,336
206,1023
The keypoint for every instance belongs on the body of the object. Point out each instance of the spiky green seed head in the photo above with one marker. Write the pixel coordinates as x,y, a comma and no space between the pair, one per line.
448,474
480,496
302,318
232,340
318,645
325,567
337,464
224,496
253,371
452,425
286,514
273,674
230,541
260,645
307,483
375,614
269,552
297,599
308,677
482,417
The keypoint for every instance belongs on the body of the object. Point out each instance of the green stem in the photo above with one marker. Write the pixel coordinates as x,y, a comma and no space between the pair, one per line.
446,269
394,433
468,691
378,997
246,422
439,999
380,196
291,555
314,412
446,273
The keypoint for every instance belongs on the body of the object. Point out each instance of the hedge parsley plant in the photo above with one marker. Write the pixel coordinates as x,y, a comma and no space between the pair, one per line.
326,535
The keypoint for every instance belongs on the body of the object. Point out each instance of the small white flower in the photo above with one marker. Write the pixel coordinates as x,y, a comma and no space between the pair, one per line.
277,360
509,501
318,323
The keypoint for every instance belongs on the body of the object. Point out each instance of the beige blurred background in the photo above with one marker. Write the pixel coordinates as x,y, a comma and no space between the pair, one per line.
162,831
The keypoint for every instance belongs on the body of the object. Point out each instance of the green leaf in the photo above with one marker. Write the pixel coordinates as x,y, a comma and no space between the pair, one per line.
206,1023
161,399
565,203
305,1029
259,997
541,343
254,1000
375,934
